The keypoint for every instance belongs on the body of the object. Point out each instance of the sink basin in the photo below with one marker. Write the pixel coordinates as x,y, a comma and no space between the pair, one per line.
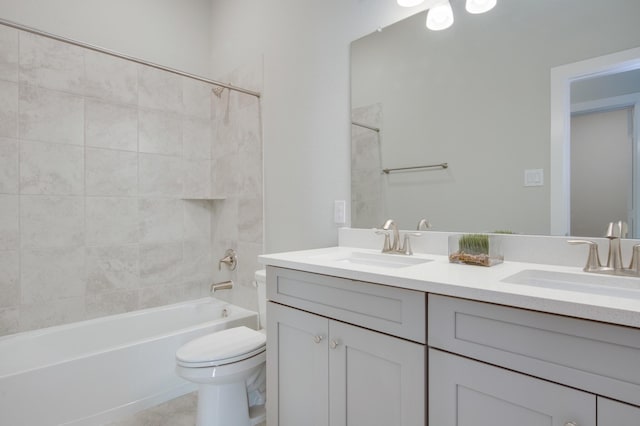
587,283
380,260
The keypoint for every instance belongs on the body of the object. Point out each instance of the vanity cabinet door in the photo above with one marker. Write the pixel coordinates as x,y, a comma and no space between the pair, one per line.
375,379
297,367
463,392
613,413
322,372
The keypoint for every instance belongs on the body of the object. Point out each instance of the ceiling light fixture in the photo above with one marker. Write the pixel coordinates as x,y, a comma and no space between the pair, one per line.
440,16
409,3
480,6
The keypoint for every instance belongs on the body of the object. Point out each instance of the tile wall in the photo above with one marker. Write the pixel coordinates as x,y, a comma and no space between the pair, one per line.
107,170
367,183
237,169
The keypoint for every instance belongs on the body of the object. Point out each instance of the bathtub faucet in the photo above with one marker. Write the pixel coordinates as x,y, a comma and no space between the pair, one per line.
230,259
225,285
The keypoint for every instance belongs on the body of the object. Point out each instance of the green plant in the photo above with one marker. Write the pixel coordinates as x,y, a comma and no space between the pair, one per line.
474,244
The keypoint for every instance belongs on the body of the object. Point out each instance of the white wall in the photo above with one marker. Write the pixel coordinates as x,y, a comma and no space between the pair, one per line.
173,33
306,106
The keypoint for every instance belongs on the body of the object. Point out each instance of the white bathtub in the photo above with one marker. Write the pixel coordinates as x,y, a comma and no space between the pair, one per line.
100,370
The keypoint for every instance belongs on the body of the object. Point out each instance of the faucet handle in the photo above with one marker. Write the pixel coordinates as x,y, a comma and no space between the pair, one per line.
624,229
617,229
611,231
386,247
635,259
593,261
406,246
230,259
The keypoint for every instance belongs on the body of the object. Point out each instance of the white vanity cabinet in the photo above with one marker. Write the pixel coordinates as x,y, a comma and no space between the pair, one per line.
297,367
613,413
465,392
343,352
493,365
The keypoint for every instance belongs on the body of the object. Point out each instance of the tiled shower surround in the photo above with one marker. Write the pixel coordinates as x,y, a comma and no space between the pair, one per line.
111,179
367,181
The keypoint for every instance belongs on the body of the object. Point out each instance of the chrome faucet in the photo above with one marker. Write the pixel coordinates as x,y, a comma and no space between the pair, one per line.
230,259
634,265
615,231
225,285
423,225
394,246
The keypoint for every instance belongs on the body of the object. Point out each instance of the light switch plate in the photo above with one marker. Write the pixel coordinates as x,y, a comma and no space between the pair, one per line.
534,177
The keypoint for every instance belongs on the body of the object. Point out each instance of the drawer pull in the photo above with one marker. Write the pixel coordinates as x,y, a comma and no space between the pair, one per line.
333,344
571,424
318,338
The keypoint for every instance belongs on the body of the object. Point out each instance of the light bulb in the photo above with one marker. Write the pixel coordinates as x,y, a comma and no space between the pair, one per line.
480,6
409,3
440,16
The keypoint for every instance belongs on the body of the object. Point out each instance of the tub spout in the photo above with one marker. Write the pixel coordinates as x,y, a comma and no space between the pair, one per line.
225,285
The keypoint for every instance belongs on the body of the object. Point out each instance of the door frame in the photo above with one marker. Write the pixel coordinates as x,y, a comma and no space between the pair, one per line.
560,137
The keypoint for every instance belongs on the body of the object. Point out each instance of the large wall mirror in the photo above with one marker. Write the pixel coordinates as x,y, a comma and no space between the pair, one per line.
474,102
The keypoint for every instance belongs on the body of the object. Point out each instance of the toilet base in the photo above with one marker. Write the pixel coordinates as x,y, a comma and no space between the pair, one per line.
223,398
224,405
257,414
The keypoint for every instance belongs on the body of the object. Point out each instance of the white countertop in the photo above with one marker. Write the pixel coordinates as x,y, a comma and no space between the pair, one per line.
473,282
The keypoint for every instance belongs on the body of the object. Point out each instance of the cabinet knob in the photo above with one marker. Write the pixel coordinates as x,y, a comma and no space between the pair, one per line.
334,344
318,338
571,424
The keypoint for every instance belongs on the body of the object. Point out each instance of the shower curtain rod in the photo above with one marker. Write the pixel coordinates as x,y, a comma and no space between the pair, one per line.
129,58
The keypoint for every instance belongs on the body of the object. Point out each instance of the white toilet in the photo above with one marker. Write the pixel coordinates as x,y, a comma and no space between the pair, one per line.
223,364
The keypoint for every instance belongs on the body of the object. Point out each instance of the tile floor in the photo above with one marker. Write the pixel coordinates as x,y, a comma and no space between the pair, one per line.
177,412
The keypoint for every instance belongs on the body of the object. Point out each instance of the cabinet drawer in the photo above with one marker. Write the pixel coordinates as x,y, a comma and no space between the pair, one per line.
600,358
464,392
395,311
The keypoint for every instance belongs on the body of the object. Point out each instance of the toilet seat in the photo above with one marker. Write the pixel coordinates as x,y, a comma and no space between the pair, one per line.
220,348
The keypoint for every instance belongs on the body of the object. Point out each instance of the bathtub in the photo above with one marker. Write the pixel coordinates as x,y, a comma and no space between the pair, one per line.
101,370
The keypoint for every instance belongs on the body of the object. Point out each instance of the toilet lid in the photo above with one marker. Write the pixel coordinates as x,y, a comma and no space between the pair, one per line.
222,347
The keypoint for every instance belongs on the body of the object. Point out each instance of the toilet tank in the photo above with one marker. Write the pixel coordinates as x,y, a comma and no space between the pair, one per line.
261,282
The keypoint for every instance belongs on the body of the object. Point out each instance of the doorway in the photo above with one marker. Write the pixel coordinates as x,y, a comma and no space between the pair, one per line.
602,186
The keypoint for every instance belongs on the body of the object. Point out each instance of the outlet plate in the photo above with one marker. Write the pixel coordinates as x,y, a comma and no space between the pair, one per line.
340,212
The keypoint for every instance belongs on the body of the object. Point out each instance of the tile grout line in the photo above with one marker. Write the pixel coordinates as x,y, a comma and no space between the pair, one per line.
19,192
84,181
